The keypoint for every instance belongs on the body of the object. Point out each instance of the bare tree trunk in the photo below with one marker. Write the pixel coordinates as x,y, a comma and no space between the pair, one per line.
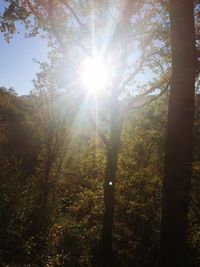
179,136
109,185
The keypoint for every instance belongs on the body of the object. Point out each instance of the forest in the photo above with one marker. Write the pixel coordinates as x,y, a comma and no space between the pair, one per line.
100,162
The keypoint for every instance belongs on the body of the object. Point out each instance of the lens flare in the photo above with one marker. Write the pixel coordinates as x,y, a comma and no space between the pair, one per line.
95,74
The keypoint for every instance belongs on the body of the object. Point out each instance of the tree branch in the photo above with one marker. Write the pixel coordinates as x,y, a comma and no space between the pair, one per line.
153,98
66,4
100,134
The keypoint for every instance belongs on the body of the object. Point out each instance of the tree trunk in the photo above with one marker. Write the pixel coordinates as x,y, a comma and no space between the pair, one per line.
178,158
109,185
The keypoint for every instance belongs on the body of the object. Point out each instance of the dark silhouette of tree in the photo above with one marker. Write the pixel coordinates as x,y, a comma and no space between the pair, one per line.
178,159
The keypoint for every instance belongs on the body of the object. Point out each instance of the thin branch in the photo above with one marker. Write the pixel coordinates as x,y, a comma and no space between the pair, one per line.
153,98
75,15
132,75
100,134
137,69
53,29
66,4
53,25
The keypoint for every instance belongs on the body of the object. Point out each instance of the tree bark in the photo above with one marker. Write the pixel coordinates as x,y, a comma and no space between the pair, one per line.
178,158
109,185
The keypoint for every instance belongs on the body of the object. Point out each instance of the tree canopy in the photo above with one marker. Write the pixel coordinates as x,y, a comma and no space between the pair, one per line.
100,160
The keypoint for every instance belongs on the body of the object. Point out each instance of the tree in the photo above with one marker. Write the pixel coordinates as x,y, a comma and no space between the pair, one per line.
178,159
62,24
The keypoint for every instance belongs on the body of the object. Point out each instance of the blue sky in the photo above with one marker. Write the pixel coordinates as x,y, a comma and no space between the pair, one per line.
17,67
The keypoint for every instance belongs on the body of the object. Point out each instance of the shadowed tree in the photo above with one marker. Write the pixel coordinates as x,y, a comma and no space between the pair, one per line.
178,158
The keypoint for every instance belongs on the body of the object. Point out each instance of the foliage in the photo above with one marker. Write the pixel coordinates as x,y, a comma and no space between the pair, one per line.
52,164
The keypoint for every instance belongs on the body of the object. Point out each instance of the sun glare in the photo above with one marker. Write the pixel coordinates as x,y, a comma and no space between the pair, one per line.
95,74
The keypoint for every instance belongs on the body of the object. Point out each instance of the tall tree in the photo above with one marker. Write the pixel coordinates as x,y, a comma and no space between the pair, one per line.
129,56
178,158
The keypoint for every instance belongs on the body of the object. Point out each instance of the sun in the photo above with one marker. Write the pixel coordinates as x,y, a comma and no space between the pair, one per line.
95,74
